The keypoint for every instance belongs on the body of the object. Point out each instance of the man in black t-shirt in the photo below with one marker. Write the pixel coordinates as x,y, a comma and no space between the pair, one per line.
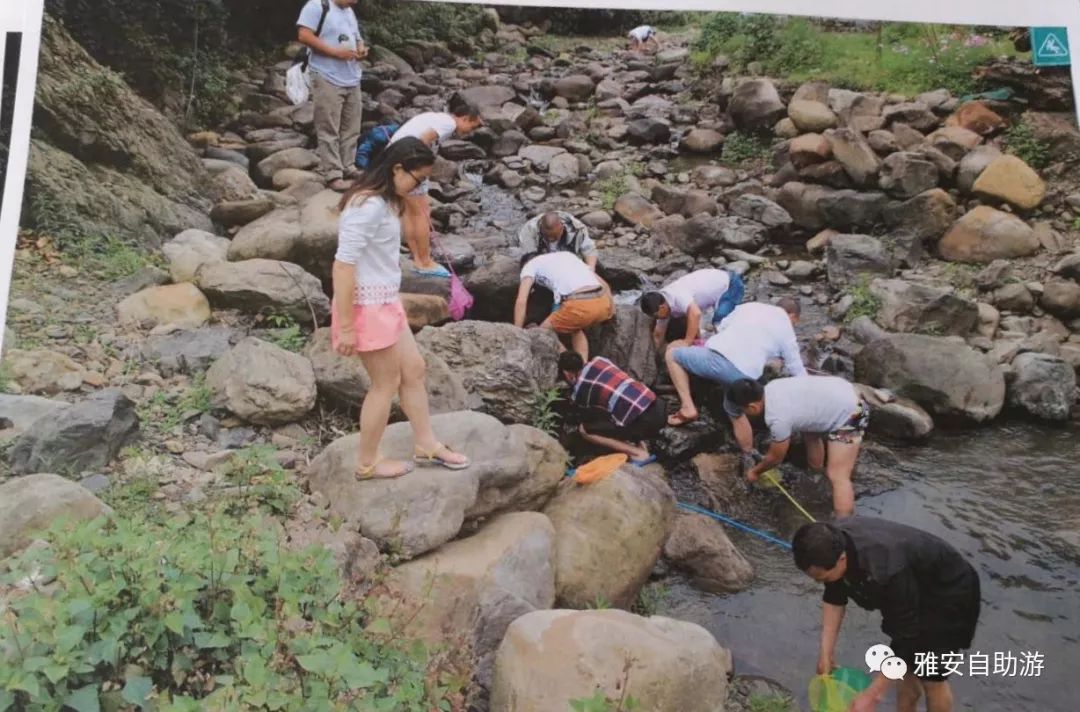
928,595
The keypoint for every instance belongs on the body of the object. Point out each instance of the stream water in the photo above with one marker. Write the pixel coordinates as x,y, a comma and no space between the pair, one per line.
1008,497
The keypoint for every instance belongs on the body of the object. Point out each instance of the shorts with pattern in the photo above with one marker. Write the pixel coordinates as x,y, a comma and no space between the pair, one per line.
851,432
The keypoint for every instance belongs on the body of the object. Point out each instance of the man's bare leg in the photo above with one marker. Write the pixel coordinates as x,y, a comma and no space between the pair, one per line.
939,697
634,452
908,694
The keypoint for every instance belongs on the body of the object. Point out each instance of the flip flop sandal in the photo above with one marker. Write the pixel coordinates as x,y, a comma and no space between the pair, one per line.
644,461
437,271
365,474
432,459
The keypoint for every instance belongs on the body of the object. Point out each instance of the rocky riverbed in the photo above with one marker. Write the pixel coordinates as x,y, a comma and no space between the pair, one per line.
937,270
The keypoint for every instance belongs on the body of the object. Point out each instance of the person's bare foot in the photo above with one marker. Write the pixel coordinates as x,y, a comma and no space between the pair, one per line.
682,418
339,185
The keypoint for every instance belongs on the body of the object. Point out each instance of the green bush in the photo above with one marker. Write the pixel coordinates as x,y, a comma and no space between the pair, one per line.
199,612
1020,140
741,148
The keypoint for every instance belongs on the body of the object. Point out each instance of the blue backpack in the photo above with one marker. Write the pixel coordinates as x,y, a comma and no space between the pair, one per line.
372,143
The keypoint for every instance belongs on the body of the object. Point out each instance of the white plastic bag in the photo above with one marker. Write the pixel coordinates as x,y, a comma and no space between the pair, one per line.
297,84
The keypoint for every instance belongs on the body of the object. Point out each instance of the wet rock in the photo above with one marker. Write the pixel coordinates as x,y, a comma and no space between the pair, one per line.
1062,298
1007,178
910,307
550,658
84,436
700,546
505,367
469,591
811,116
343,383
755,105
180,304
894,417
263,383
608,536
187,351
847,209
261,285
32,503
906,174
850,256
699,140
850,148
950,379
985,234
1042,385
461,151
925,217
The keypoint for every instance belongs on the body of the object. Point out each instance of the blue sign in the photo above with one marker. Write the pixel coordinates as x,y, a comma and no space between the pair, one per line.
1049,47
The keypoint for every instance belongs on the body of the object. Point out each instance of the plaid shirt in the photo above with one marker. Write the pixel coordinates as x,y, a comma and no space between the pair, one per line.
602,384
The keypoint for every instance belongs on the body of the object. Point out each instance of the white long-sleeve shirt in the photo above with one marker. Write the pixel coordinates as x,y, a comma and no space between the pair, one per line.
753,334
369,238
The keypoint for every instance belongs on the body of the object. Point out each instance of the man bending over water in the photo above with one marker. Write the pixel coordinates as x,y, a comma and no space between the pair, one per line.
928,595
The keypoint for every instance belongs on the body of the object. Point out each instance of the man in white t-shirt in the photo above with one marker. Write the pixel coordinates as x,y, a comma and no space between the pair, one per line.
642,37
582,299
746,340
680,305
816,406
331,32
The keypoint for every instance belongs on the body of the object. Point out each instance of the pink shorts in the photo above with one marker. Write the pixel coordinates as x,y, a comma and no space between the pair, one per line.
378,326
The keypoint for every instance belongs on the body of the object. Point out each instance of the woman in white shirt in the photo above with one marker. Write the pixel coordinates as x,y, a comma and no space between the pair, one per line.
368,319
432,128
642,37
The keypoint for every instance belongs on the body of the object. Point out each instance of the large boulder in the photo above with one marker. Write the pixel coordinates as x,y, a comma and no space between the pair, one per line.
1008,179
850,148
627,341
850,209
469,591
803,202
18,413
494,286
985,234
40,371
180,304
545,468
700,546
906,174
973,164
84,436
188,351
305,233
263,383
635,209
925,217
912,306
295,158
32,503
264,286
755,106
896,417
699,140
190,250
505,367
609,535
574,87
1042,385
103,157
760,209
416,513
953,381
343,383
552,658
811,116
848,257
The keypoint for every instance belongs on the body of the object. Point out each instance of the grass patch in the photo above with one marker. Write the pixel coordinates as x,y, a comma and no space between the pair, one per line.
651,599
544,415
107,257
261,484
6,379
166,411
769,703
285,333
1020,140
744,148
864,302
904,58
615,186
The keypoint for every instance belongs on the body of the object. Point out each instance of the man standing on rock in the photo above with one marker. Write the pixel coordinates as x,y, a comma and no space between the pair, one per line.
815,406
752,335
558,231
627,412
582,299
678,307
928,595
331,32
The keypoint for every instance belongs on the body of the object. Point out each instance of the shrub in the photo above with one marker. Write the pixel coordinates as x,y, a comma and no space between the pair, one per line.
198,612
864,302
1020,140
741,148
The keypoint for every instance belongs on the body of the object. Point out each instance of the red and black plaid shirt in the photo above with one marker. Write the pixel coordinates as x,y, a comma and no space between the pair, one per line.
602,384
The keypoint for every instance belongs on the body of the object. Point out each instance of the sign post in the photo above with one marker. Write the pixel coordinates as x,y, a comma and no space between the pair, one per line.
1050,47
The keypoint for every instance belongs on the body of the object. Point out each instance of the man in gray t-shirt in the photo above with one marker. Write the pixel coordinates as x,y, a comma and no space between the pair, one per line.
816,406
336,51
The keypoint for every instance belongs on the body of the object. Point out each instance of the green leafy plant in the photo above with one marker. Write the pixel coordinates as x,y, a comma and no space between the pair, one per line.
286,333
600,702
1021,141
600,603
864,302
260,482
544,415
742,148
198,612
769,703
164,411
651,599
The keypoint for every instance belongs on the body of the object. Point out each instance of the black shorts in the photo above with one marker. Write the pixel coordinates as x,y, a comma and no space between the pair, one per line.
645,427
953,629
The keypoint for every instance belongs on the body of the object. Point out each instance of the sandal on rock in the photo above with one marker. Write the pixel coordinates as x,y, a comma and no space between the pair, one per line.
370,472
432,458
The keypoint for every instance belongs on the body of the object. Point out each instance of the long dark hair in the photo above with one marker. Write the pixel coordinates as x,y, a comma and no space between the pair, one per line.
461,107
410,153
